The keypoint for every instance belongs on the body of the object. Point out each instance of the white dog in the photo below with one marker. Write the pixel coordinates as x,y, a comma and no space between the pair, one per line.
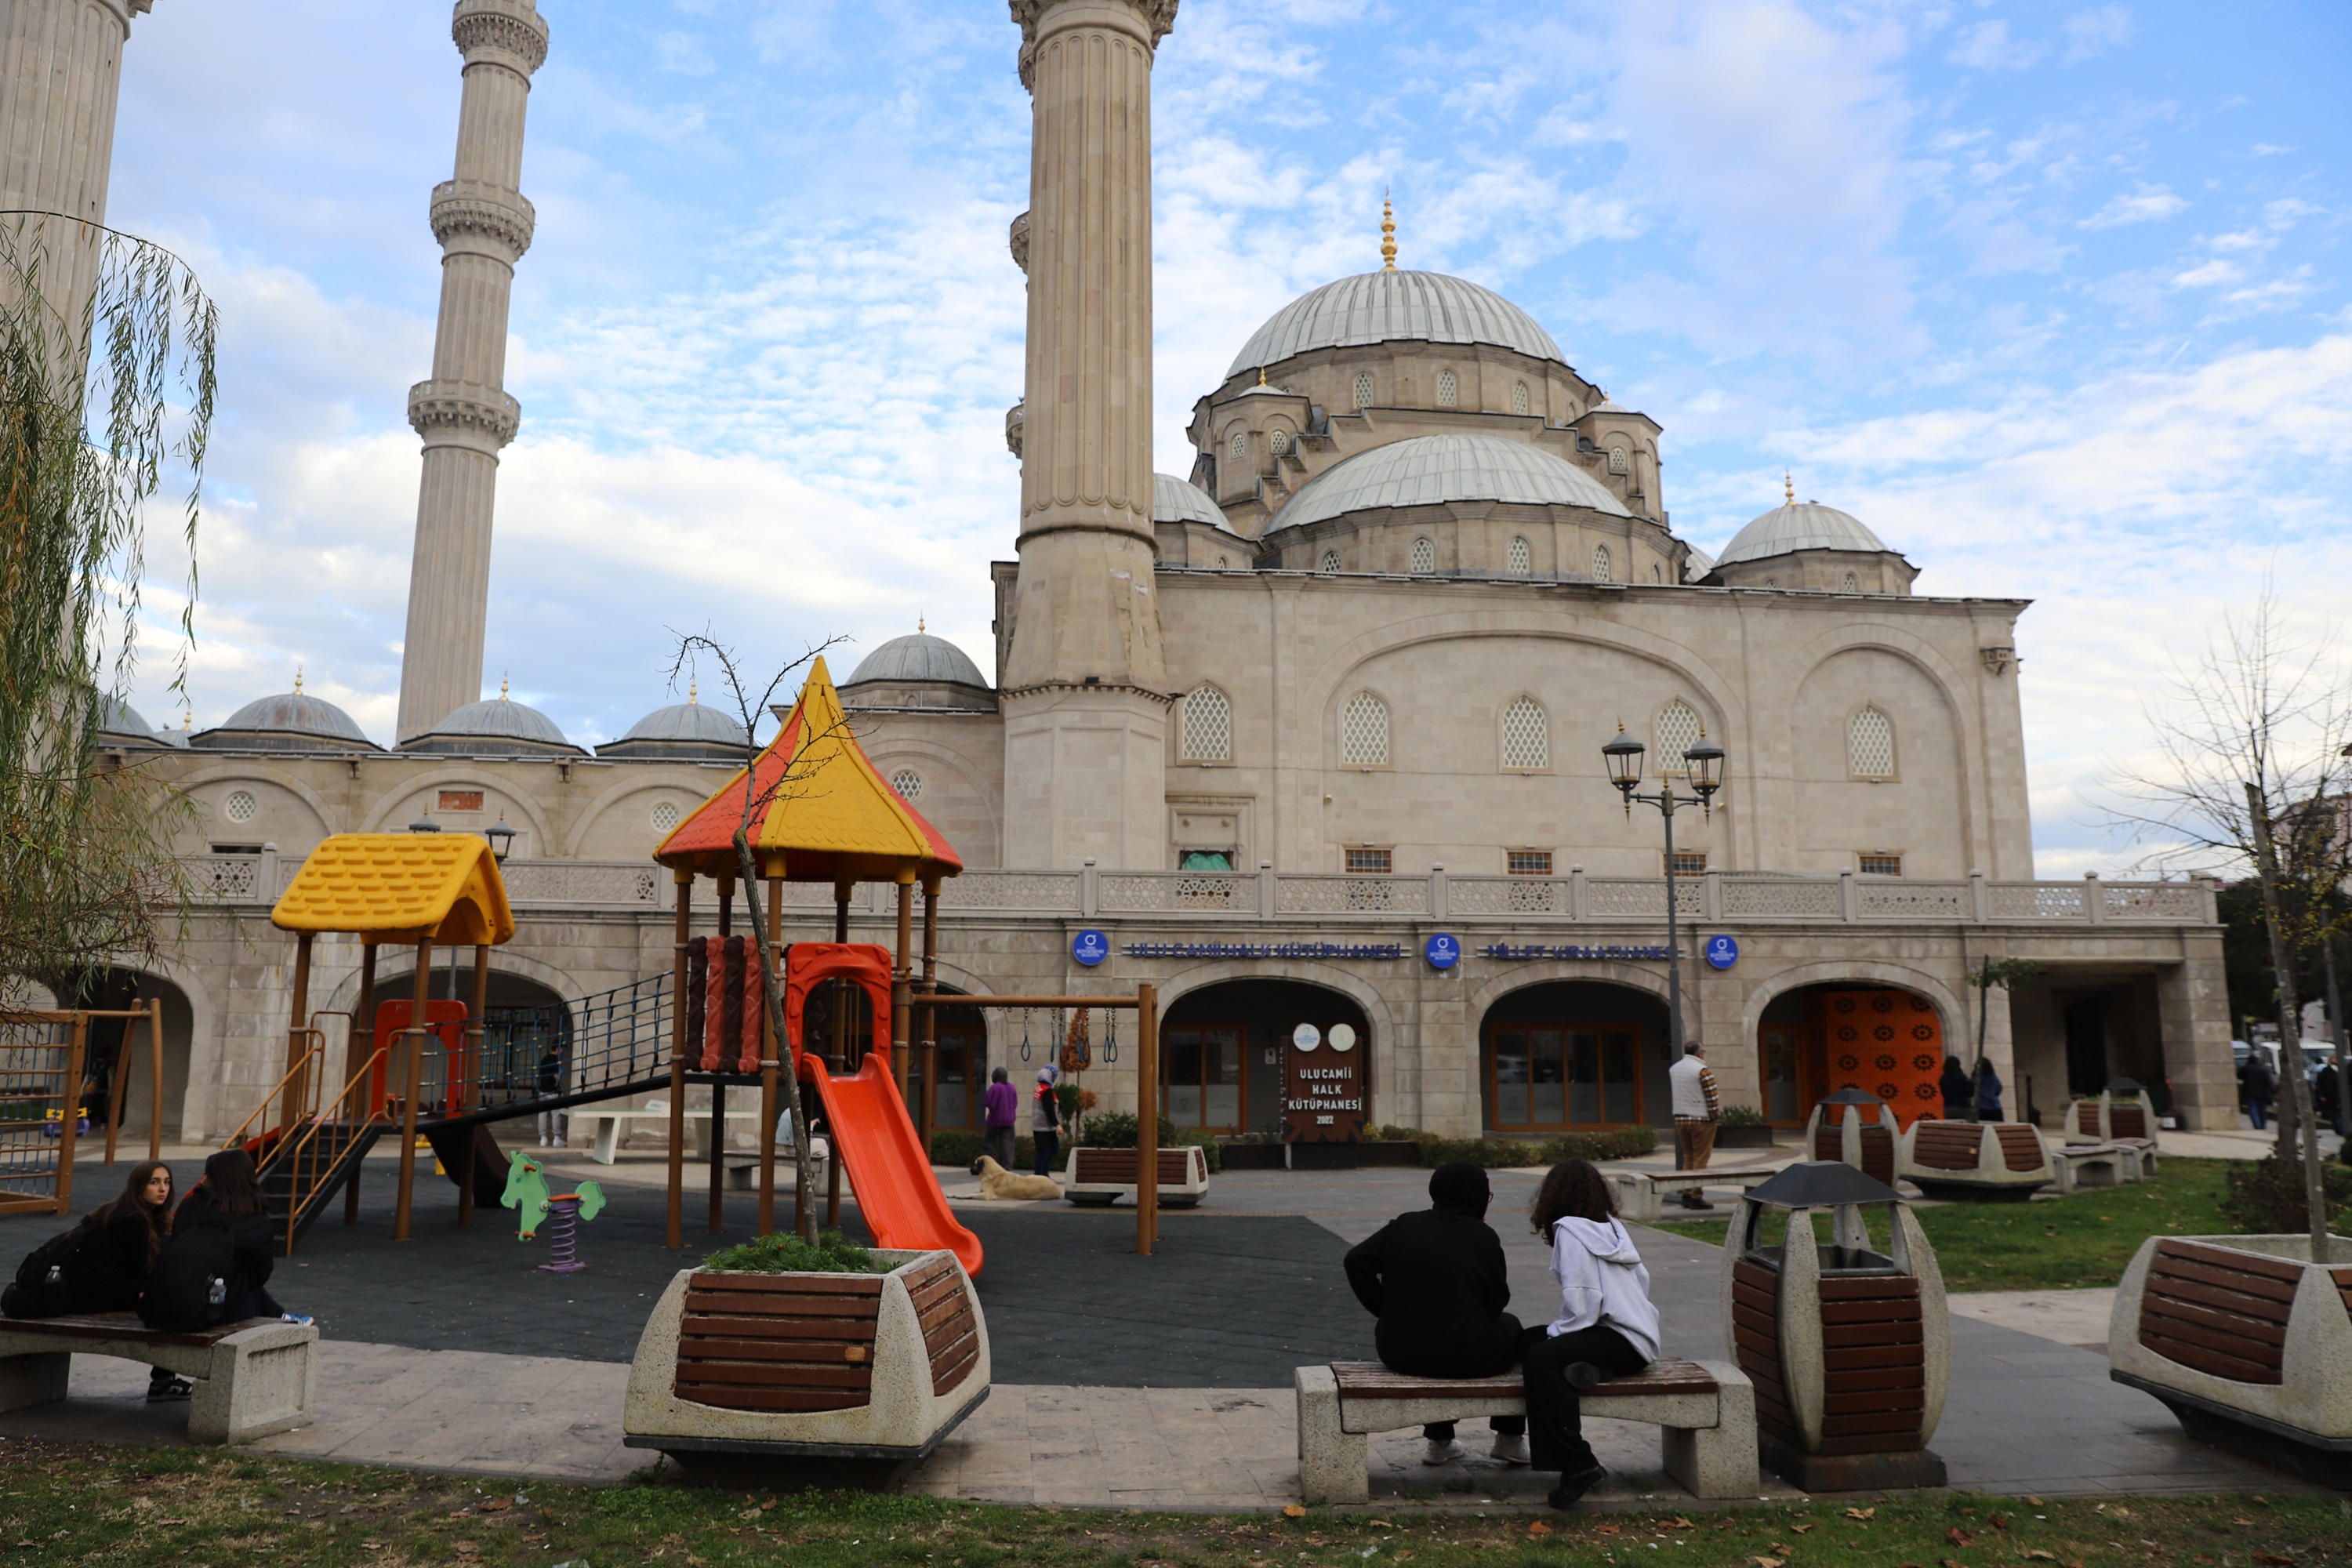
996,1182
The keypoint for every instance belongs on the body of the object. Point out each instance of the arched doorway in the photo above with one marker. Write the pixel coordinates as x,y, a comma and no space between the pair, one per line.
1882,1040
1221,1050
1573,1055
120,990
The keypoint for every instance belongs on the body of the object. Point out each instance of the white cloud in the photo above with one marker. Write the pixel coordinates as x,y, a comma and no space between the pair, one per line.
1987,46
2145,204
2094,32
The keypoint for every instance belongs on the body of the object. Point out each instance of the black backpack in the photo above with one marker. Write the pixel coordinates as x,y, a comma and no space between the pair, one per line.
40,1290
194,1280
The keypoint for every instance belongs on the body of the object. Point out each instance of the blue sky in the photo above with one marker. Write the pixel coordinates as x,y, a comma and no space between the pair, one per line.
2053,297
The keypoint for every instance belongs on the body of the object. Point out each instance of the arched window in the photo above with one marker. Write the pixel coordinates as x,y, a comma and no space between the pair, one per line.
1520,557
1527,735
1330,562
1678,731
1278,441
1852,584
1870,745
1239,446
1449,391
1363,389
908,782
1519,404
1425,554
1602,564
1617,463
1364,732
1657,573
1207,734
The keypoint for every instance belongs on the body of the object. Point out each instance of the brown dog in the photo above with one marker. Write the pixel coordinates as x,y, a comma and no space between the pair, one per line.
996,1182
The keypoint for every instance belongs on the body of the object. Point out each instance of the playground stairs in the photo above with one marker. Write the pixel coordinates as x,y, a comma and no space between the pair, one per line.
302,1174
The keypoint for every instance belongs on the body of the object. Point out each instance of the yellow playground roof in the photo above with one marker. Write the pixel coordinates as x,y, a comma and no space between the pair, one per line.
400,888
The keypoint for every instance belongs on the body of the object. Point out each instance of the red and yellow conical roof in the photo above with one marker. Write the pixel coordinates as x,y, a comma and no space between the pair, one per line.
820,812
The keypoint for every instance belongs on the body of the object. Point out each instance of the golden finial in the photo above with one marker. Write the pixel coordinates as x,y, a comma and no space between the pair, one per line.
1261,375
691,694
187,720
297,680
502,685
920,627
1789,488
1388,233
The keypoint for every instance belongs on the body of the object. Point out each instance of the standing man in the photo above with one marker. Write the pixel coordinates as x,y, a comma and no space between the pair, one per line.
1000,1114
2261,1087
1696,1107
2327,1095
554,1126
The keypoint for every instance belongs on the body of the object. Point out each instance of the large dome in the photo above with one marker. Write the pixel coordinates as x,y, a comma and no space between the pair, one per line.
1384,305
918,657
684,731
290,722
499,726
1179,500
1799,525
1431,470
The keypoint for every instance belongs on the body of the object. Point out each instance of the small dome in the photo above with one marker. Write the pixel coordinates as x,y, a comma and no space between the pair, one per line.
116,716
498,726
683,730
1179,500
1799,525
1430,469
1388,306
921,657
290,722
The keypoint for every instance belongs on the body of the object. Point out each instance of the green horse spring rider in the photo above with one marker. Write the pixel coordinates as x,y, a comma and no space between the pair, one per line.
527,1192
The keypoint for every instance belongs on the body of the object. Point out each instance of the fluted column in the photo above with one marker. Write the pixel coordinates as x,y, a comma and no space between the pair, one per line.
463,413
1084,681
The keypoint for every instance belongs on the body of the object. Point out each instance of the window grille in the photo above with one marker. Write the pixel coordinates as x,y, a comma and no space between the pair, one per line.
908,783
665,816
1678,731
1330,562
1527,735
1602,564
1617,462
1239,446
1690,863
1363,389
1364,732
1528,862
1519,397
1369,862
240,807
1870,745
1877,865
1521,558
1278,441
1449,391
1424,555
1208,729
1852,584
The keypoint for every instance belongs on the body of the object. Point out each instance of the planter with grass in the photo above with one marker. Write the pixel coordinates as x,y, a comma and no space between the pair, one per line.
2122,1113
778,1349
1742,1127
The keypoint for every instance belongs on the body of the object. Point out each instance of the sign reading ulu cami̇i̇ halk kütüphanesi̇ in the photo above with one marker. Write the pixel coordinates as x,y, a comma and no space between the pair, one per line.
1323,1086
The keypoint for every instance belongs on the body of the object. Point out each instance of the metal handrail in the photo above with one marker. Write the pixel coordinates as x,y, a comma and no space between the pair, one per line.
301,1065
359,1084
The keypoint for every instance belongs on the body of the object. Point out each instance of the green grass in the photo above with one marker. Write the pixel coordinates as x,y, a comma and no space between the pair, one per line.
63,1503
2067,1243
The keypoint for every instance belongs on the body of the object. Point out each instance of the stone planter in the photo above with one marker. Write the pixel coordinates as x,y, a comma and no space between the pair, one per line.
2248,1341
2122,1114
1757,1136
820,1366
1100,1177
1986,1161
1856,1129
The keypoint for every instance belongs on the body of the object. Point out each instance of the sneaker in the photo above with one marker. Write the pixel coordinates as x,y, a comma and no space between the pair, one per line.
169,1390
1436,1453
1580,1374
1572,1487
297,1317
1511,1448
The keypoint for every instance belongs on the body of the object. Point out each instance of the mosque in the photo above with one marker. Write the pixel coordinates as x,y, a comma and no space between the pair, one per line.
1310,735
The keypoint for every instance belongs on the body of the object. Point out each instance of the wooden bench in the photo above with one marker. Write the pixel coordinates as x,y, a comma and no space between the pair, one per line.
1639,1192
1102,1176
252,1378
1706,1411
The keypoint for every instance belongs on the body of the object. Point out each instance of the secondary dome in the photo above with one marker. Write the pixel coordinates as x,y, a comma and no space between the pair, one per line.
920,657
496,727
1384,306
1431,469
290,722
684,731
1798,525
1179,500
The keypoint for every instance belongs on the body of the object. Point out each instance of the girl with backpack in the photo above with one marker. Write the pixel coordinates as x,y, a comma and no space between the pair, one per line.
215,1268
101,1265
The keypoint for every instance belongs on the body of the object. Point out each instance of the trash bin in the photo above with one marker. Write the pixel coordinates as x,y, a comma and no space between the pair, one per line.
1850,1348
2121,1114
1857,1128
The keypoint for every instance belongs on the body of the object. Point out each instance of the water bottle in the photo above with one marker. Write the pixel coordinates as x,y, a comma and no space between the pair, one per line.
56,1275
215,1291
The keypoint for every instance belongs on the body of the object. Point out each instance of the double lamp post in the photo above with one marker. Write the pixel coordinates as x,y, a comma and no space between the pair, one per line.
1703,764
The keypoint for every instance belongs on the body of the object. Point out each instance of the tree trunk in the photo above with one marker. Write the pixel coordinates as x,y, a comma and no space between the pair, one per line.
771,985
2297,1085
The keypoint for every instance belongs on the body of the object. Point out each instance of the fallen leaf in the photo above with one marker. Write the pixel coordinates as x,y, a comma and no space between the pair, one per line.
1538,1527
1679,1524
1861,1513
1783,1551
1608,1529
2033,1502
1800,1529
497,1505
2000,1521
1951,1563
2035,1554
2272,1557
1768,1561
171,1521
1291,1510
1959,1537
2247,1522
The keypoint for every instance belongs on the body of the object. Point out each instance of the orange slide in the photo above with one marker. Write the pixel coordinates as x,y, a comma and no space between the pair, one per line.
888,1170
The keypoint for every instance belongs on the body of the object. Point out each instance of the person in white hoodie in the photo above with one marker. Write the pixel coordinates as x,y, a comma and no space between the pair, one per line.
1606,1328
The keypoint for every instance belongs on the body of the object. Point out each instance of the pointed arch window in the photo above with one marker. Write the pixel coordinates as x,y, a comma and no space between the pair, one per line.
1526,736
1870,745
1278,441
1678,730
1425,554
1449,390
1852,584
1364,732
1519,404
1603,568
1618,462
1520,557
1657,573
1239,447
1363,389
1207,732
1330,563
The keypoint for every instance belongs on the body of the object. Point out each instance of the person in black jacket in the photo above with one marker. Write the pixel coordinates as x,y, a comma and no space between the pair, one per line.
108,1270
1959,1092
215,1268
1437,1281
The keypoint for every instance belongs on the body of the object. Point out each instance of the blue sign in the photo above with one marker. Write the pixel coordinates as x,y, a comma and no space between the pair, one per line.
1090,947
1722,952
1443,952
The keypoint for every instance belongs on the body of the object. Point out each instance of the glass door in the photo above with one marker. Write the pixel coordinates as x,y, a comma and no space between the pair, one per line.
1782,1093
1544,1079
1200,1078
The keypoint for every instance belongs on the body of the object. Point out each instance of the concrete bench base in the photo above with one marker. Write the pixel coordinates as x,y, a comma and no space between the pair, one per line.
1706,1411
2081,1165
1640,1193
252,1378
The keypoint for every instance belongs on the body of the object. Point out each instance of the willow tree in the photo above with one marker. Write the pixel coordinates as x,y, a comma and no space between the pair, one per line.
106,396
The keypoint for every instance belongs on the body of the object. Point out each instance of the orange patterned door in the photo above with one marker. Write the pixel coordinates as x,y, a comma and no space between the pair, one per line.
1889,1043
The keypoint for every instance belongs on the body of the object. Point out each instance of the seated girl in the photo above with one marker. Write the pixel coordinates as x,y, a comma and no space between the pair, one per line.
1606,1327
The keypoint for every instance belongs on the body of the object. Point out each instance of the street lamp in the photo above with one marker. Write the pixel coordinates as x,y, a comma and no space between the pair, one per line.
501,839
1704,766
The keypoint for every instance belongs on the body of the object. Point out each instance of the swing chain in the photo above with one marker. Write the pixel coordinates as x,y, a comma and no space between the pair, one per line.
1111,1037
1025,1033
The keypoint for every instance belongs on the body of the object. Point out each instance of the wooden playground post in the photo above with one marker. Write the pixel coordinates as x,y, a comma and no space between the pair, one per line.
69,1111
772,952
363,1028
290,1111
902,983
411,1078
927,1036
684,880
478,1031
1147,1119
718,1085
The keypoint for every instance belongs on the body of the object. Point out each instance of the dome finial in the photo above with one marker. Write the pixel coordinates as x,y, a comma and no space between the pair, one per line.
1388,233
503,683
187,720
1789,488
1261,375
298,680
692,695
920,629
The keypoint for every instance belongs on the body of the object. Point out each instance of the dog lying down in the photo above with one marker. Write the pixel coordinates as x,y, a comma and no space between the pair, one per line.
996,1182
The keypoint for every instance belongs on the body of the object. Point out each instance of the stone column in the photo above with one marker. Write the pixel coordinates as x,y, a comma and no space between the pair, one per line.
464,414
1084,684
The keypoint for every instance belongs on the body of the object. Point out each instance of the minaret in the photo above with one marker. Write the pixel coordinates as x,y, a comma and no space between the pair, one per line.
463,413
1083,688
60,75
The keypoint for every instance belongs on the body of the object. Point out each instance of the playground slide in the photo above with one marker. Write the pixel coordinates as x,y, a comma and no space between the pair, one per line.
888,1169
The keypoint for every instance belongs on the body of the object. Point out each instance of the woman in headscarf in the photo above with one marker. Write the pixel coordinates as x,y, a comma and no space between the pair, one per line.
1436,1281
